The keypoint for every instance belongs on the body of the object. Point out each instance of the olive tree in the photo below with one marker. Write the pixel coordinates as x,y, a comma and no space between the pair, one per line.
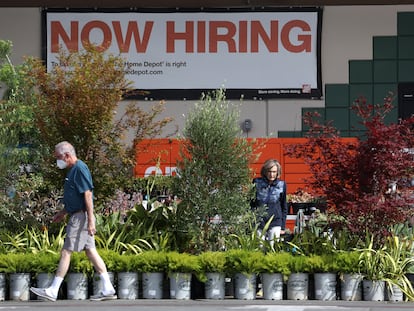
214,179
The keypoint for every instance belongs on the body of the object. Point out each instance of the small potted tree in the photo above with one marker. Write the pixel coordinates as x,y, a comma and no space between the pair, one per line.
215,182
363,180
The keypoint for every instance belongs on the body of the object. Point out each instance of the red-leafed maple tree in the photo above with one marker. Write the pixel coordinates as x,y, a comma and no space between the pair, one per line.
366,181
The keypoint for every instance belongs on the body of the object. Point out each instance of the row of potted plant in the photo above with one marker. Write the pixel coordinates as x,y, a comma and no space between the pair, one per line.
374,264
387,265
231,261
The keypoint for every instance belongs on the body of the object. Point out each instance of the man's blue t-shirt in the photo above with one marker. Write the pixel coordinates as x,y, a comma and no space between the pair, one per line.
77,182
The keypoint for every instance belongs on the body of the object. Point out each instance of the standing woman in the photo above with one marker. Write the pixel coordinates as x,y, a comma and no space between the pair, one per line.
271,194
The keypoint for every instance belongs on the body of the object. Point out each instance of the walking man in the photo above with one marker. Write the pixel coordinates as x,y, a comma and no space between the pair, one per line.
80,230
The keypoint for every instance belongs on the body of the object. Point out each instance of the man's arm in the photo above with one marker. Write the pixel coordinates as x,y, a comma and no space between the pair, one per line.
89,210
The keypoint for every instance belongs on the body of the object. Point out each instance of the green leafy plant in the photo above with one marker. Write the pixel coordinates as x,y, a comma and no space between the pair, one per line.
45,262
150,261
249,239
215,179
111,258
153,225
34,240
182,262
388,263
276,263
113,233
212,261
300,264
348,261
124,263
323,263
18,262
311,242
399,260
79,263
3,263
44,241
86,89
244,261
15,243
373,262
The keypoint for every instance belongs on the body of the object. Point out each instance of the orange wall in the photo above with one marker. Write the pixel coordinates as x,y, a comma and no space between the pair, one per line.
166,152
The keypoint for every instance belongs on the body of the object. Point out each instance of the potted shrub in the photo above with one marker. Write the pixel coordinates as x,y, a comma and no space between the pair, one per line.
111,258
213,266
127,276
325,271
399,259
298,280
373,265
244,265
276,263
77,279
45,265
19,267
3,271
153,265
349,275
274,267
181,267
45,262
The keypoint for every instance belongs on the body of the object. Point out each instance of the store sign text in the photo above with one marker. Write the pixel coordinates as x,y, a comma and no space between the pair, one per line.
244,36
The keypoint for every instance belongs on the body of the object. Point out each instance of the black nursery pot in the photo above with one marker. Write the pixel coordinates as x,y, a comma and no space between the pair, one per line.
307,208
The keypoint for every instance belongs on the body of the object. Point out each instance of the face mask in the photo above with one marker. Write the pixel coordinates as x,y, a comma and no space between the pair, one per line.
61,164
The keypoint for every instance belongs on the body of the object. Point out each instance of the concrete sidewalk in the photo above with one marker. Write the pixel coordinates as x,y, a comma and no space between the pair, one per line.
206,305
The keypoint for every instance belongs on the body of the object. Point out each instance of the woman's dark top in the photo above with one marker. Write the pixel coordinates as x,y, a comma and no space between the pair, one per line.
273,196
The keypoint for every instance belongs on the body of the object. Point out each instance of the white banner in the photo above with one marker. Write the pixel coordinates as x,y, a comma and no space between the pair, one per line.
273,53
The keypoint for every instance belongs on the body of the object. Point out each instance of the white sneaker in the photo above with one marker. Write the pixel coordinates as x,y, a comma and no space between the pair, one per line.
102,297
41,292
